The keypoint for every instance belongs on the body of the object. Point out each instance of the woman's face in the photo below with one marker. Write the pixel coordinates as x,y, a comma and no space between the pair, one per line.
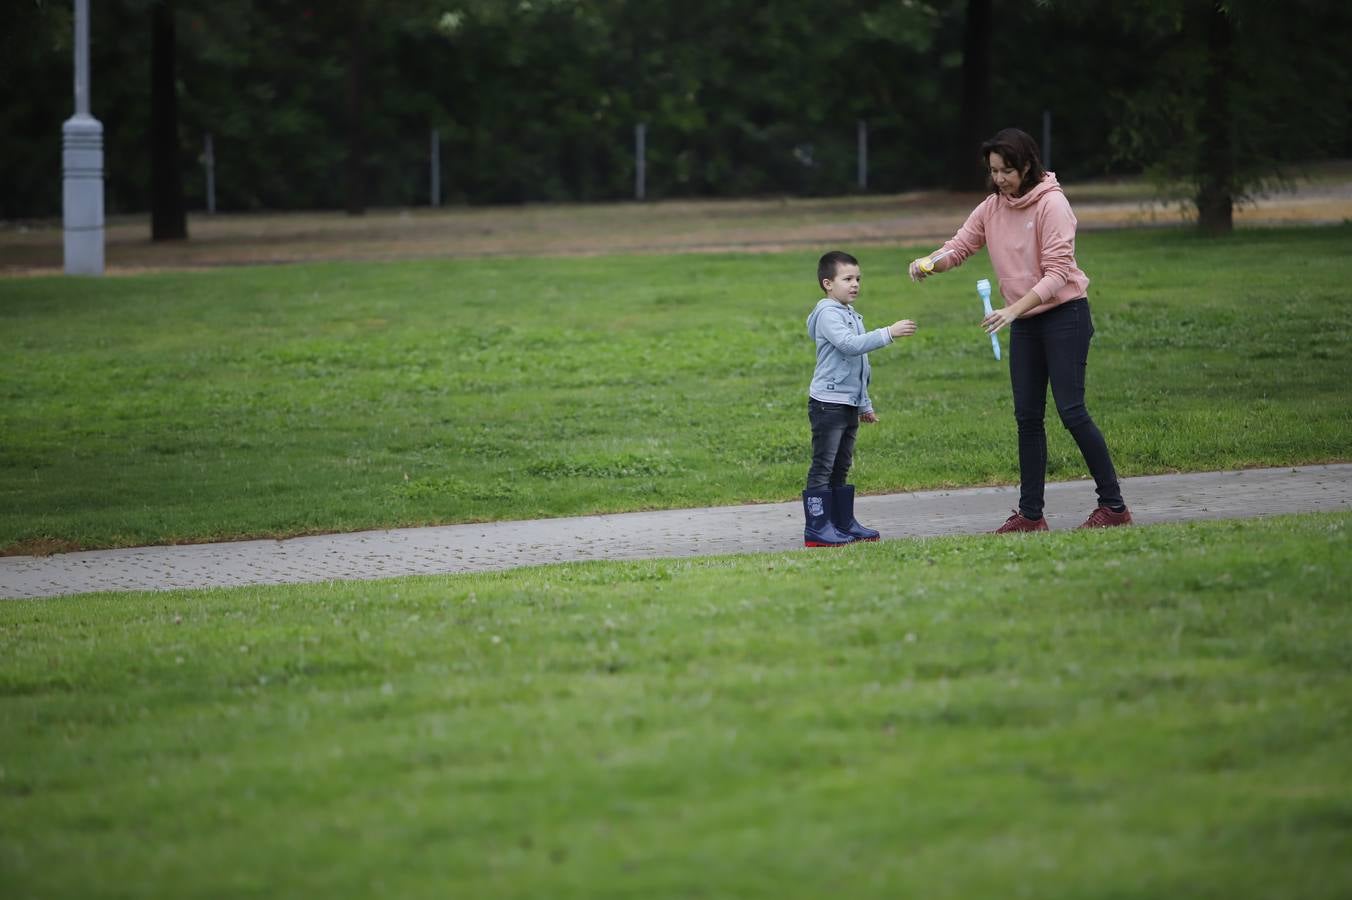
1006,178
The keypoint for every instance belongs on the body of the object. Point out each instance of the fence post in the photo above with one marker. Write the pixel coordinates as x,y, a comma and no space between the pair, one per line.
1046,139
209,163
436,167
640,161
863,155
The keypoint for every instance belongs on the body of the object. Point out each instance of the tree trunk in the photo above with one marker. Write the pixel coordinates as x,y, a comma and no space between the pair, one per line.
1216,165
355,174
168,212
975,109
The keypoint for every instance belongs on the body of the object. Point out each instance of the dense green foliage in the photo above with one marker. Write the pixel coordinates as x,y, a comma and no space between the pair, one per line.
1233,90
284,400
538,99
1142,713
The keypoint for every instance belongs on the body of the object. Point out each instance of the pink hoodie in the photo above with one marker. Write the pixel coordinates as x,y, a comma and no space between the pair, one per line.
1032,244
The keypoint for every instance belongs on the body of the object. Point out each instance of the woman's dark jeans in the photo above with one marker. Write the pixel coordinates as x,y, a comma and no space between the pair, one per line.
834,426
1054,346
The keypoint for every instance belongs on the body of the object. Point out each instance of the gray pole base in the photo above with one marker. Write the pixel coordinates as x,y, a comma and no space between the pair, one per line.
82,194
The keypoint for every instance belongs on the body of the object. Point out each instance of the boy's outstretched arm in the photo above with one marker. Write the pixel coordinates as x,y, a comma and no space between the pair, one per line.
839,331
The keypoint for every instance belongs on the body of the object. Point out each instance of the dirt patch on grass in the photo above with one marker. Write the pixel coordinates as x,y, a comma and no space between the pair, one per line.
40,547
703,226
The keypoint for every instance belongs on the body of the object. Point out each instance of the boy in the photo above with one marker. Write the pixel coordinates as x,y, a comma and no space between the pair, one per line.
838,401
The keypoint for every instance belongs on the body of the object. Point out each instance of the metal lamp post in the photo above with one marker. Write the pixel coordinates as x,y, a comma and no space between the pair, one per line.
82,167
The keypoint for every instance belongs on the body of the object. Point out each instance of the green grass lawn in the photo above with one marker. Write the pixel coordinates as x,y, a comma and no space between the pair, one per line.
1139,713
331,397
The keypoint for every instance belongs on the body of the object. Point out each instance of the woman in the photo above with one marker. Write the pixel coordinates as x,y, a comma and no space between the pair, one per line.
1028,227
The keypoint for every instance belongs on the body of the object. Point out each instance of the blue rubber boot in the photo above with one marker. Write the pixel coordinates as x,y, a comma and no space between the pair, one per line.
819,530
842,515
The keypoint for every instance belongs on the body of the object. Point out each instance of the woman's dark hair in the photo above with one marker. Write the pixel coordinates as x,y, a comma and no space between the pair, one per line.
830,263
1018,149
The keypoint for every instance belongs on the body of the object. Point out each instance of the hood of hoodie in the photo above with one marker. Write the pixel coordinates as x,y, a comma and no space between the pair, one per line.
824,303
1044,187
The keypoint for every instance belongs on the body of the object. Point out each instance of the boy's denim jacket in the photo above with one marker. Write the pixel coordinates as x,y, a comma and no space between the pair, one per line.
842,372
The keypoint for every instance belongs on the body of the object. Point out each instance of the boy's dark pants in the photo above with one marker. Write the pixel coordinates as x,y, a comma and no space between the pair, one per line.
834,426
1054,346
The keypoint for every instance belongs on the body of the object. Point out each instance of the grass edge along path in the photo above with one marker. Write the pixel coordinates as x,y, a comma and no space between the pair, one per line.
1135,713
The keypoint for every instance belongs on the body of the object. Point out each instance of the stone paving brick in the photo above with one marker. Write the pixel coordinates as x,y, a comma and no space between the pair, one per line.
684,532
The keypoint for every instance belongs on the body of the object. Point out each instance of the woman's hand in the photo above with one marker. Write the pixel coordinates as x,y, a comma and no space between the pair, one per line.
923,267
998,319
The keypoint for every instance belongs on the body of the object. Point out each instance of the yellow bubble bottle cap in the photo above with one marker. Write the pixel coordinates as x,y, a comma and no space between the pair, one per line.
926,263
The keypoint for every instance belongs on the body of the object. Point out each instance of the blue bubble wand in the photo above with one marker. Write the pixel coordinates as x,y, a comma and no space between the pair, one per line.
983,287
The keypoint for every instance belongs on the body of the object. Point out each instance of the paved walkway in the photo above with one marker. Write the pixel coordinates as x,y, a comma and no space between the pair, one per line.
685,532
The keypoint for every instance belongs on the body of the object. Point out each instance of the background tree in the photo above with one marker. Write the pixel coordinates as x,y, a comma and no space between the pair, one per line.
1238,92
330,105
168,213
36,83
974,112
1216,182
354,107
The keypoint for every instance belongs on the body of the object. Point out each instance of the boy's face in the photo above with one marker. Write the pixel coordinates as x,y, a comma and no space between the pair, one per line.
844,288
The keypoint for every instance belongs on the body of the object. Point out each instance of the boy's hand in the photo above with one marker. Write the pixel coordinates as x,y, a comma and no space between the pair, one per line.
869,417
902,328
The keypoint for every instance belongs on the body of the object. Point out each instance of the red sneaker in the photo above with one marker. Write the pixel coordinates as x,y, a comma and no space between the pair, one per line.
1020,522
1103,517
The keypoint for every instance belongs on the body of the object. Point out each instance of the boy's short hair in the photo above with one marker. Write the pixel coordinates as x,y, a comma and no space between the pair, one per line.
830,263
